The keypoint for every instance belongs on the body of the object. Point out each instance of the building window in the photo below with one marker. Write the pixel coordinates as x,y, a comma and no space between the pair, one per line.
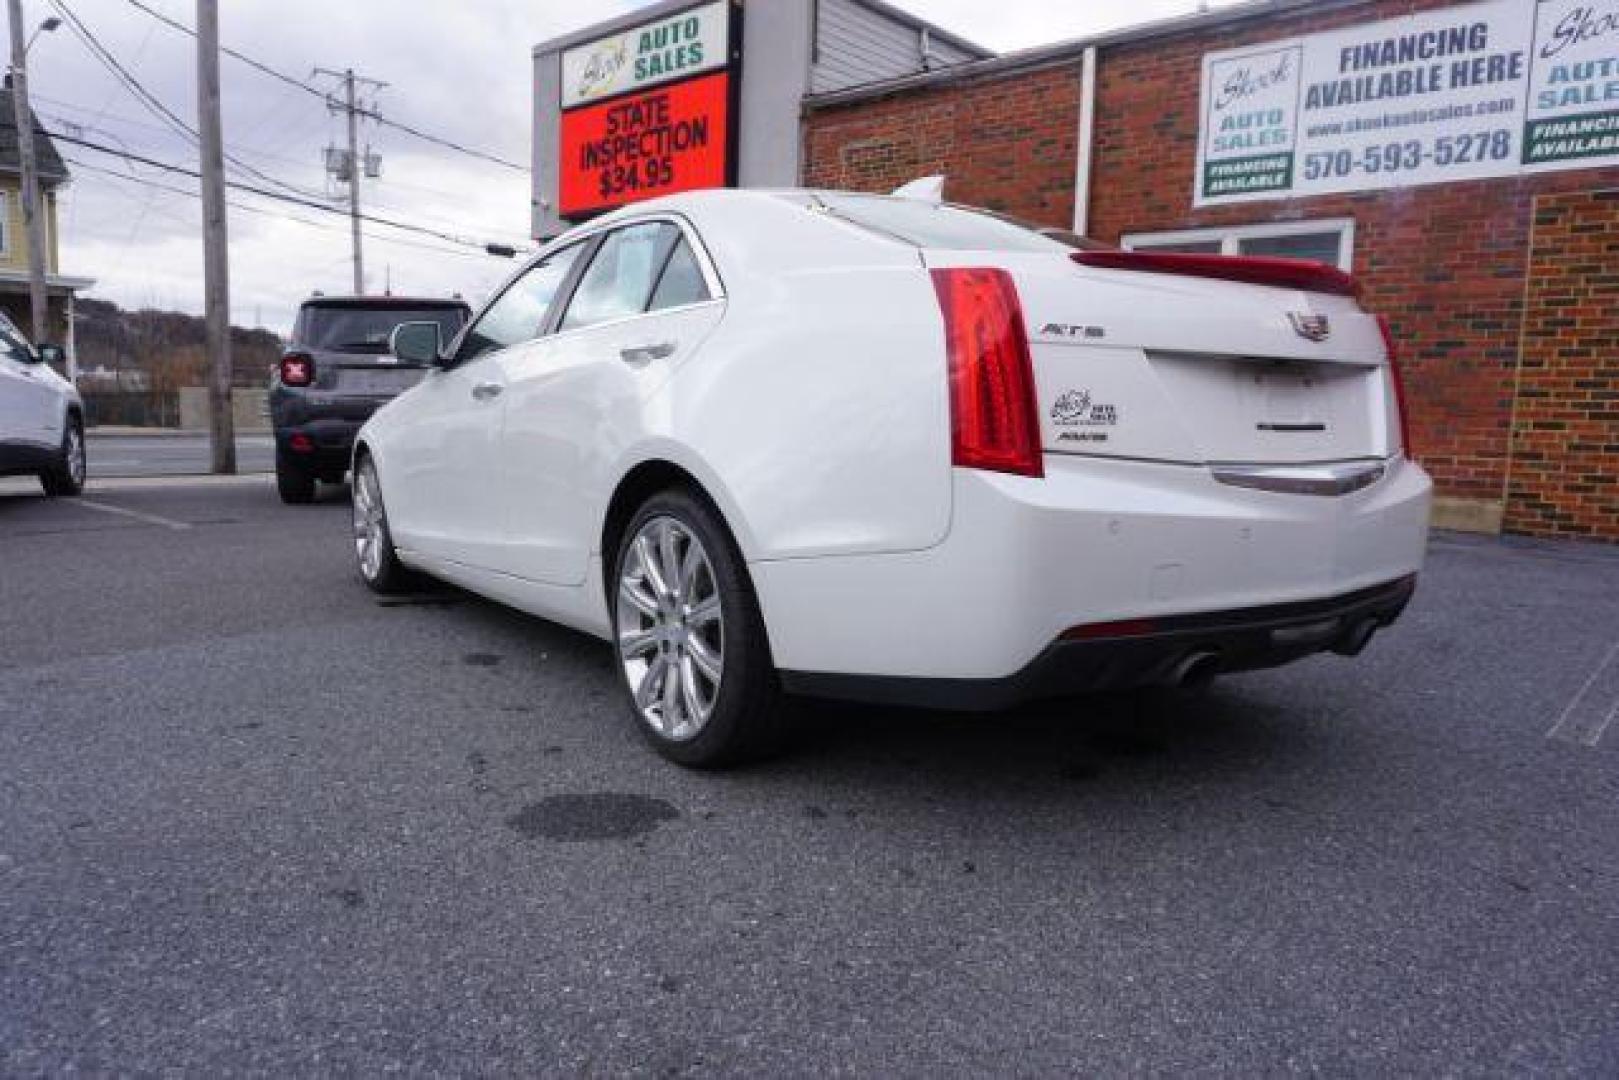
1330,240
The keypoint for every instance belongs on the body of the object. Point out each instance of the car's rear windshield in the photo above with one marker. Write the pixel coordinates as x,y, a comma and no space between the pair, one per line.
349,328
936,225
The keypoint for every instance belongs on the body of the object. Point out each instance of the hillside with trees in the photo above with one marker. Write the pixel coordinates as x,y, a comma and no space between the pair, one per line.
167,348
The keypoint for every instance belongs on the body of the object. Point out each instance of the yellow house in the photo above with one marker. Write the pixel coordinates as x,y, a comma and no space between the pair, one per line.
59,288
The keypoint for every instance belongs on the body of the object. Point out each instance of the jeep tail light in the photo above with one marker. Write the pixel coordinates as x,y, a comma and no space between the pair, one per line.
297,369
994,421
1399,386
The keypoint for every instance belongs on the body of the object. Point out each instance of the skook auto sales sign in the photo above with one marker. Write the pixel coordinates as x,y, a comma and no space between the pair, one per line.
1463,93
646,112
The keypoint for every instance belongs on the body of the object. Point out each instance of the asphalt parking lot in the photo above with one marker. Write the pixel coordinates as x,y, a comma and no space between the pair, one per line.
256,819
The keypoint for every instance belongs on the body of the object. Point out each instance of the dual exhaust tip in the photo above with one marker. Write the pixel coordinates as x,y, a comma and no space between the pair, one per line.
1198,669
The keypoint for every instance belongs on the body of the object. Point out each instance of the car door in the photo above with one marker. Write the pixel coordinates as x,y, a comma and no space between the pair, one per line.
643,303
29,398
444,476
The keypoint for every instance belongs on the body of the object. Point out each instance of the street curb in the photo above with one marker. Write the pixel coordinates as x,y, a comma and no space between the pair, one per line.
115,431
27,485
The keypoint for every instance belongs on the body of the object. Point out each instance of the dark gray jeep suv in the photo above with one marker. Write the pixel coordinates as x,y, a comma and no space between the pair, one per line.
334,374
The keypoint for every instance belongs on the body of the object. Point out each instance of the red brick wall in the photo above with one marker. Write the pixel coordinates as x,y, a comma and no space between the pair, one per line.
1007,144
1445,262
1565,454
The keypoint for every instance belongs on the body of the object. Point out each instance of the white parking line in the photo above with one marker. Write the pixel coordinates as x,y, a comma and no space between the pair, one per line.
1593,707
150,519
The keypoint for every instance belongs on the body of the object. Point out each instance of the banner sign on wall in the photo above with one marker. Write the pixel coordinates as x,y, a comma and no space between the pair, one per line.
1462,93
647,111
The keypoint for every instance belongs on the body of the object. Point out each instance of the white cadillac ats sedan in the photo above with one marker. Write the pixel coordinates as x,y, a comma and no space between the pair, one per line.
900,451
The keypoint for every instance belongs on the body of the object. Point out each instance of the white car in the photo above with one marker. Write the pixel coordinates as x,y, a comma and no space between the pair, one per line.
903,451
41,416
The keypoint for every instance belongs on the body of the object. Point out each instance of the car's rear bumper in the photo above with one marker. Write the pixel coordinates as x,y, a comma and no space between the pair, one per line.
321,445
1094,541
316,429
1169,651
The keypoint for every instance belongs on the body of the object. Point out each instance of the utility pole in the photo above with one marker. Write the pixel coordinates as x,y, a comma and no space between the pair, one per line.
356,164
33,220
215,260
354,183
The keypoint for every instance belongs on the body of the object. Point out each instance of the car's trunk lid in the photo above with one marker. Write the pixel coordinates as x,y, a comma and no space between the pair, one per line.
1166,367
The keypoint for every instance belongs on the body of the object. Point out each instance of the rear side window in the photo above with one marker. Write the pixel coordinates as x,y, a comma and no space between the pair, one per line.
681,282
935,225
519,314
620,279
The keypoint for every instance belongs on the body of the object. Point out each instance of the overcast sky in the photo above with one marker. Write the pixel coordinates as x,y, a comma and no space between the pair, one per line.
461,70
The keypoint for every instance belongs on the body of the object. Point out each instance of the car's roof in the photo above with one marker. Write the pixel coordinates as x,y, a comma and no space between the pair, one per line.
385,301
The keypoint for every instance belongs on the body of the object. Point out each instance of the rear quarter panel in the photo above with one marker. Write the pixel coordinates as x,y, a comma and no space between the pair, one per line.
820,401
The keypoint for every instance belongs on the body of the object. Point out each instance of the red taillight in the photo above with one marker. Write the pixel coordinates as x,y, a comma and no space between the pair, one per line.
1399,387
301,443
297,369
994,421
1282,273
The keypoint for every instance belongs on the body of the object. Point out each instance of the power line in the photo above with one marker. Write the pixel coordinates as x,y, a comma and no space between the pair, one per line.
228,51
77,127
151,102
278,215
369,114
312,204
393,181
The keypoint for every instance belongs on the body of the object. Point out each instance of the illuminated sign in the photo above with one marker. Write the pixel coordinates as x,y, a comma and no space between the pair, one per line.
639,146
647,112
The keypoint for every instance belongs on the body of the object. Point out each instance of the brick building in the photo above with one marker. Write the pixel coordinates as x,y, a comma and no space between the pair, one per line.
1502,285
1460,157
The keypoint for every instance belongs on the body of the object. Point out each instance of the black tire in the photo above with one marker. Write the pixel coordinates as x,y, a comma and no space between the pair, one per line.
295,483
748,719
386,574
66,475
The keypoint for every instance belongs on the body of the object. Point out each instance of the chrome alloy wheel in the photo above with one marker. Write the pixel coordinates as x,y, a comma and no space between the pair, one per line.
75,455
671,637
370,532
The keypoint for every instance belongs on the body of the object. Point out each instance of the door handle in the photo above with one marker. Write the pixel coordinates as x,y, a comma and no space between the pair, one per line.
486,391
641,354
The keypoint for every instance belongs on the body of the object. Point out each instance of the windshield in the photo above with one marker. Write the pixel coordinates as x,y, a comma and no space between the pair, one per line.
367,329
938,225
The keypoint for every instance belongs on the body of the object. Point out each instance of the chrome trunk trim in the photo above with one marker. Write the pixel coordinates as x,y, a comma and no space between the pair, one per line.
1334,478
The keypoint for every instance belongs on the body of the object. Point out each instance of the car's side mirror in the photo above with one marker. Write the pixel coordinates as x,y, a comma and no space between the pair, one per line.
51,354
418,343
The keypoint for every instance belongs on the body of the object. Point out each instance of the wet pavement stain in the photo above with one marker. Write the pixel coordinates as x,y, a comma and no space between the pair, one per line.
481,659
600,816
349,898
